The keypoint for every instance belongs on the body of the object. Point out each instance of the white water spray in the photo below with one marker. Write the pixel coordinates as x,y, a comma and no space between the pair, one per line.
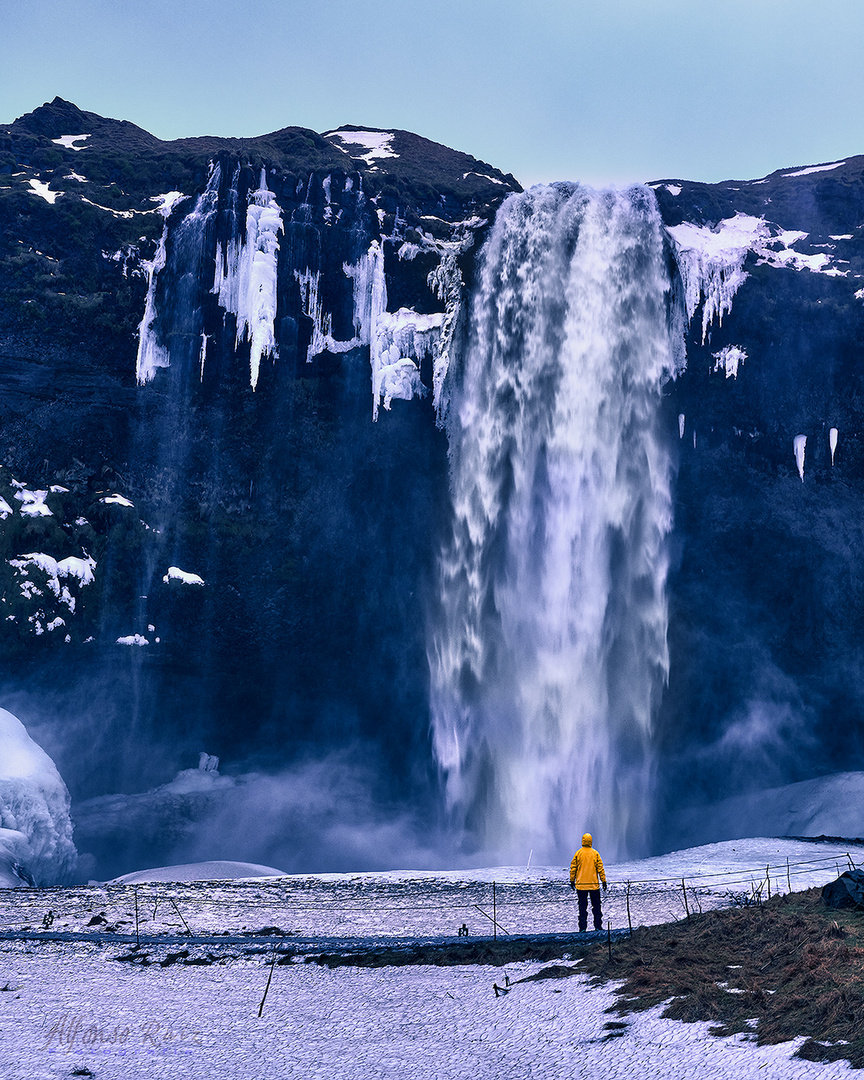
549,652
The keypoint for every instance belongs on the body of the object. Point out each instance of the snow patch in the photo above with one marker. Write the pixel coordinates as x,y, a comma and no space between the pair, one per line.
485,176
81,570
69,141
110,210
167,202
374,145
43,191
176,574
814,169
33,503
133,639
116,500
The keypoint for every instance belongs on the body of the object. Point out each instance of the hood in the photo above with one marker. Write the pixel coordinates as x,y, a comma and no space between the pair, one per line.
587,839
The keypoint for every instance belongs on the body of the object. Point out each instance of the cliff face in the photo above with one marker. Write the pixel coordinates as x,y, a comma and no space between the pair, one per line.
766,593
224,389
276,292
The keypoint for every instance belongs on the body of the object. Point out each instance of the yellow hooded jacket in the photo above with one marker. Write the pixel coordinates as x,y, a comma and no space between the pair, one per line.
586,867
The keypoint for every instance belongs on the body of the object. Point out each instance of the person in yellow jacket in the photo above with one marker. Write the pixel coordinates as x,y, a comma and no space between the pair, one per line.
586,873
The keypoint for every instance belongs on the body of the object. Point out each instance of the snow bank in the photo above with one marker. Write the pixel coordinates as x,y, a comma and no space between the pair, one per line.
35,826
827,806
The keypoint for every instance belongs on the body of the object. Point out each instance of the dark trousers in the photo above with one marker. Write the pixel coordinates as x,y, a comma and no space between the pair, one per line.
582,896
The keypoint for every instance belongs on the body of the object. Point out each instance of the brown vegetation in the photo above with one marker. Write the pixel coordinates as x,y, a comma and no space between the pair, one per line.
783,969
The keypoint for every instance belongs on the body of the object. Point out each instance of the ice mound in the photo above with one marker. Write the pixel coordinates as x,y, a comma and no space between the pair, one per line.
201,871
35,826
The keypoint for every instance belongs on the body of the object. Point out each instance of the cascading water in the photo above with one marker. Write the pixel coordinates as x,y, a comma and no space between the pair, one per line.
172,330
548,652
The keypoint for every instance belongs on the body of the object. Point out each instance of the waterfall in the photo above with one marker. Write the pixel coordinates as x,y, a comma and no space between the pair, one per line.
548,650
172,331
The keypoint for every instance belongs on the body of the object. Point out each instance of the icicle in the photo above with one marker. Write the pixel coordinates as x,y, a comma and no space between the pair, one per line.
151,355
245,278
681,425
799,444
832,442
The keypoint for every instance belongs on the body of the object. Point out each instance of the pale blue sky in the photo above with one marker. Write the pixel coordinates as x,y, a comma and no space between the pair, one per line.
604,91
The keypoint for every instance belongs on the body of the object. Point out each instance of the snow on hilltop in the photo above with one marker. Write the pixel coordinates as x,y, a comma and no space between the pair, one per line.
369,146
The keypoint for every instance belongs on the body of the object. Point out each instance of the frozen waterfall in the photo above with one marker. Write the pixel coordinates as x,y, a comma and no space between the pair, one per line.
548,651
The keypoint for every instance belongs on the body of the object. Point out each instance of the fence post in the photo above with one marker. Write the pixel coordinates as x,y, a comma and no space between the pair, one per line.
629,923
684,890
494,915
768,879
788,876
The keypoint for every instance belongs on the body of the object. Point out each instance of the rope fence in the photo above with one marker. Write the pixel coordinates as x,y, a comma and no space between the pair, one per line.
354,908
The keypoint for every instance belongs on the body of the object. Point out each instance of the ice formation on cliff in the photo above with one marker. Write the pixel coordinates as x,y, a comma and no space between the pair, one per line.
245,279
35,826
799,445
711,260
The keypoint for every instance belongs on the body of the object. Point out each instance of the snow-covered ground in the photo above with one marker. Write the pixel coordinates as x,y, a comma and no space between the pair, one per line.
67,1006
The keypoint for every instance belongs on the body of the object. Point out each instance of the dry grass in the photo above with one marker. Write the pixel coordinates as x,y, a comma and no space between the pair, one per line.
786,968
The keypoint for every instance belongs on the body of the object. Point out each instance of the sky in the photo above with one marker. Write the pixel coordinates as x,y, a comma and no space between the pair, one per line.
602,91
